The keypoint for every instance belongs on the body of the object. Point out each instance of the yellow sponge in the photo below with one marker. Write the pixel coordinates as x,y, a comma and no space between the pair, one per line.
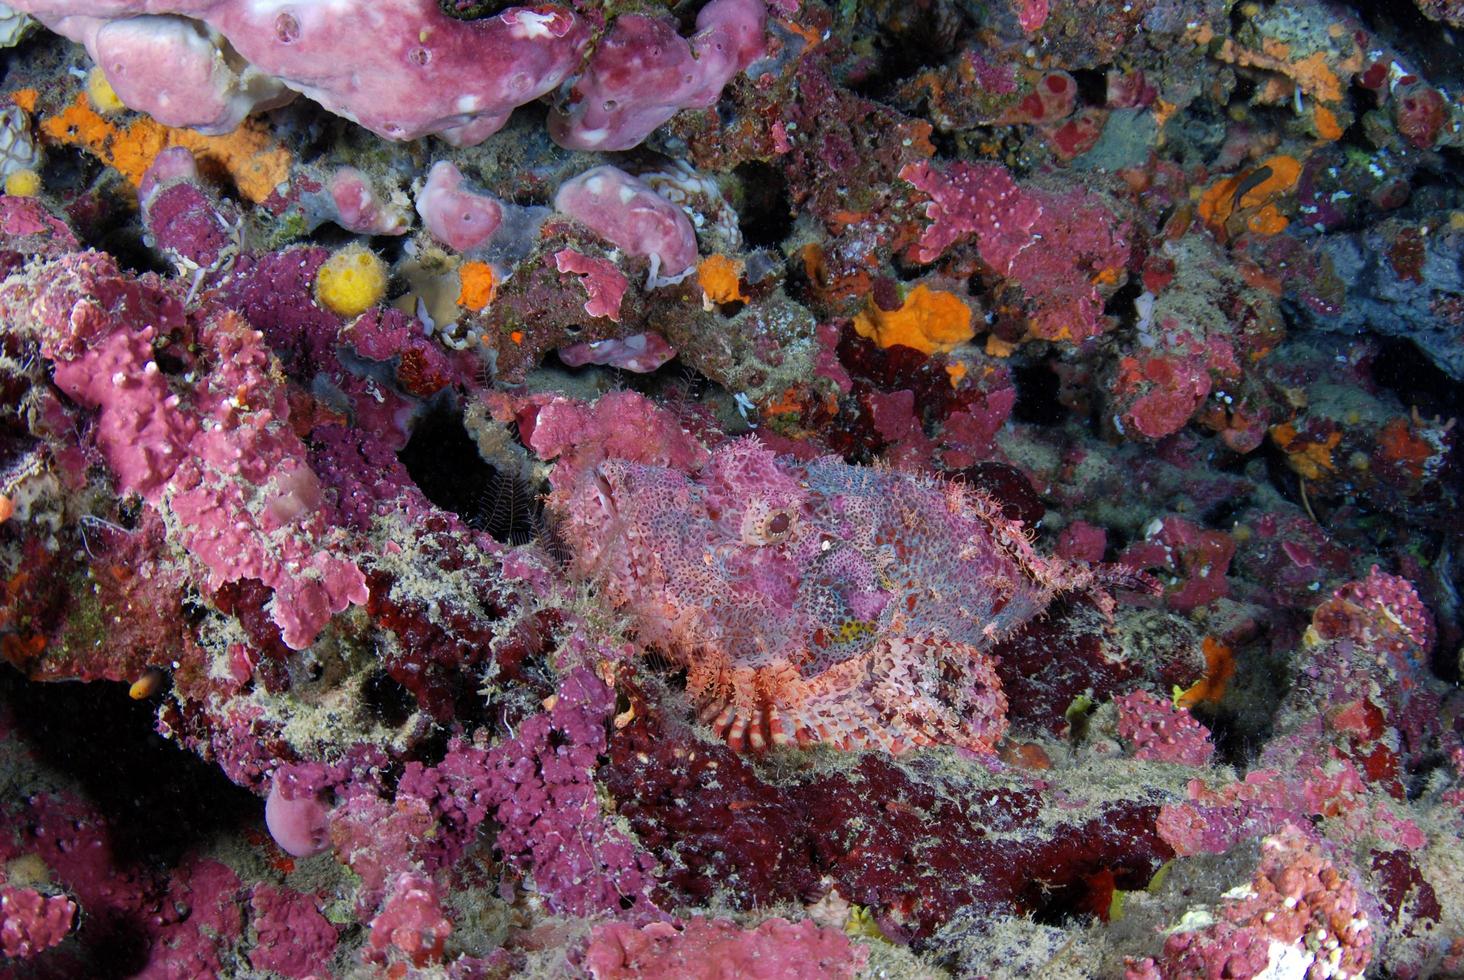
23,183
103,97
352,281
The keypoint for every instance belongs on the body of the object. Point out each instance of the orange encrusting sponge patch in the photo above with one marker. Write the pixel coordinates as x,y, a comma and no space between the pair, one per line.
930,321
250,154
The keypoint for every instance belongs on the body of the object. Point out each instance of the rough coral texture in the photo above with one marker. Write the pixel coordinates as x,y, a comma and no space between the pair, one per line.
224,464
776,950
1298,916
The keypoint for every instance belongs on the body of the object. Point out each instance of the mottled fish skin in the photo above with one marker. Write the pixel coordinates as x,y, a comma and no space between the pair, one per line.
819,602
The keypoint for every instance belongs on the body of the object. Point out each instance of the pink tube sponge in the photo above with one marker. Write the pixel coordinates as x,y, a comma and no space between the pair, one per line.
460,219
642,73
627,213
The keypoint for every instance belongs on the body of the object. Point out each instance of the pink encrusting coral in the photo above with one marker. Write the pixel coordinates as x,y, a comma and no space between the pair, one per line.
1160,731
1381,612
814,602
412,925
539,788
219,455
1297,916
31,922
604,283
707,949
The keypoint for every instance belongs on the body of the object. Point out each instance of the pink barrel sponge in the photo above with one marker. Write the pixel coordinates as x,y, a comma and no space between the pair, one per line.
459,218
296,817
400,68
629,214
642,73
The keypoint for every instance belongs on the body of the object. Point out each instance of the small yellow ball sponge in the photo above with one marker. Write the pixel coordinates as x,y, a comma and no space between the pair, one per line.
23,183
351,281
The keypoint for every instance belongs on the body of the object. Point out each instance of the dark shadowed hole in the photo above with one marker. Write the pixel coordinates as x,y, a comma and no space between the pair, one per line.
1407,372
1092,86
386,700
1037,390
444,463
765,216
159,801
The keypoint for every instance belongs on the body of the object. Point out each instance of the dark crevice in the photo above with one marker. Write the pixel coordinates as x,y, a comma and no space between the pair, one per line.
1037,394
765,216
1416,380
444,462
387,701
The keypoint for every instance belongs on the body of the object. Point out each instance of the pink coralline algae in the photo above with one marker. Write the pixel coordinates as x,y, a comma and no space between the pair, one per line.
1299,916
421,72
707,949
412,925
31,922
1196,559
294,938
1382,612
1056,247
628,213
818,602
220,457
642,73
604,283
1160,731
539,788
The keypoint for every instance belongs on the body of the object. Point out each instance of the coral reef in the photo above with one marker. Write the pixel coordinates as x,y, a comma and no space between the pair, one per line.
770,488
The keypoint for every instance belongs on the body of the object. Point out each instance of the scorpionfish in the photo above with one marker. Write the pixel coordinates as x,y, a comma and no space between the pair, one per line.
816,602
